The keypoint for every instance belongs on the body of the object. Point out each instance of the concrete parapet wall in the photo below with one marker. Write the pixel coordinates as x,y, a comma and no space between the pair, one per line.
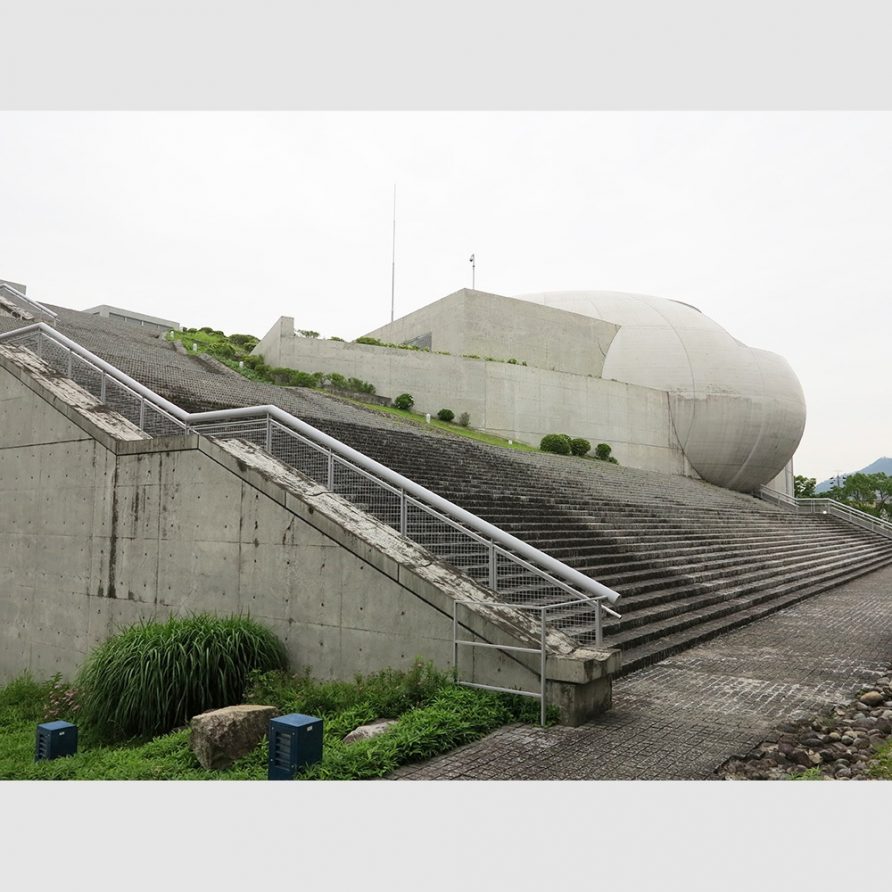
101,528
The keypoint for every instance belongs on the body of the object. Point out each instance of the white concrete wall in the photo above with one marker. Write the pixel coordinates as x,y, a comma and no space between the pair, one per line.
484,324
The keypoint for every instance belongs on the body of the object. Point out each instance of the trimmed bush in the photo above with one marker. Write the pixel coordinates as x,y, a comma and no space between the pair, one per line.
580,446
154,677
445,414
602,452
559,444
404,401
464,419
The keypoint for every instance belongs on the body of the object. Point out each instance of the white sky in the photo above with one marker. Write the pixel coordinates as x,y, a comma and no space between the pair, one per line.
776,224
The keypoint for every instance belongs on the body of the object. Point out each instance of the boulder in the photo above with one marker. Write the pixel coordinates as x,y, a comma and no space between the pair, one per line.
373,729
871,698
222,736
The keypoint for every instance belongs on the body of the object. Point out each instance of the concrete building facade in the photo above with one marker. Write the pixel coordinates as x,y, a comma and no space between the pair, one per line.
668,388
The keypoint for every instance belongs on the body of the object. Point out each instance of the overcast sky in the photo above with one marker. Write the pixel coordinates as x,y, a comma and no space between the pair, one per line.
778,225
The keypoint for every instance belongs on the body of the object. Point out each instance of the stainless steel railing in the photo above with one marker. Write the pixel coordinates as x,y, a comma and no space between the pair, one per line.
20,299
831,507
493,558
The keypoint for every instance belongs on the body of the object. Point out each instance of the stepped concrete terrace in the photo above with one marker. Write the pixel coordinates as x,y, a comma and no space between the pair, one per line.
691,560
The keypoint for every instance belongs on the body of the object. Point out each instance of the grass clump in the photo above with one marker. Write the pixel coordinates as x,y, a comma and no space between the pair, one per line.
452,717
155,676
881,764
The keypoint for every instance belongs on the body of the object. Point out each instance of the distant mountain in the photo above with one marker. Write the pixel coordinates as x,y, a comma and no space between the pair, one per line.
880,466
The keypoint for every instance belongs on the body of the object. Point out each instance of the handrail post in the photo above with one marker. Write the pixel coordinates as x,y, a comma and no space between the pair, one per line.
493,574
142,413
455,642
269,435
404,512
102,387
330,475
542,612
599,625
70,361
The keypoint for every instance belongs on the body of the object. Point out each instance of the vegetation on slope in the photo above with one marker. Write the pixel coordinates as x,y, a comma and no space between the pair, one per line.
433,714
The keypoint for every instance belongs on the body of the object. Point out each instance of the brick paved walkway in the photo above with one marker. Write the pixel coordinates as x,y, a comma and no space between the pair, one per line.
683,717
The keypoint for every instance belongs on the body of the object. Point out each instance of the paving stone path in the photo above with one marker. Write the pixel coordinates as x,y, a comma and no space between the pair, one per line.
683,717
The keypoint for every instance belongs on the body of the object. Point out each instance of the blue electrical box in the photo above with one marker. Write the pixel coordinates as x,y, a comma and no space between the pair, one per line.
295,741
55,739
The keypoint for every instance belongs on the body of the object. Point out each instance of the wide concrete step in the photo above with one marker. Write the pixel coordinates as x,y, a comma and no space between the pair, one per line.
646,653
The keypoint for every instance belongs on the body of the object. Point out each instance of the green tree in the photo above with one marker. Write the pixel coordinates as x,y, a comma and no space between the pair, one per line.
804,487
868,492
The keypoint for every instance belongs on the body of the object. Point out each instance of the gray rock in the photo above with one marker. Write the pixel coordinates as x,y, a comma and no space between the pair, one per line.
871,698
373,729
800,757
222,736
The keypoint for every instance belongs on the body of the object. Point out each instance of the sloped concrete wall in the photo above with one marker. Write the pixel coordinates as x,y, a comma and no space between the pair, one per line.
100,528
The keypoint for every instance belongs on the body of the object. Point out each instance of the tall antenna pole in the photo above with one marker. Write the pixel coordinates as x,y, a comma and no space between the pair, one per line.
473,273
393,264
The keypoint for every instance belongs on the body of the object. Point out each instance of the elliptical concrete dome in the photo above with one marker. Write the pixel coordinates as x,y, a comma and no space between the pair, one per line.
738,412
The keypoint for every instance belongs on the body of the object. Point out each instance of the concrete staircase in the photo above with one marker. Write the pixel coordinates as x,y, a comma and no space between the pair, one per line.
690,559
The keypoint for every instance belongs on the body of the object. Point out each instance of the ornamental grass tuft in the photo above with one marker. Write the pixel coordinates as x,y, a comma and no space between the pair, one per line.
154,676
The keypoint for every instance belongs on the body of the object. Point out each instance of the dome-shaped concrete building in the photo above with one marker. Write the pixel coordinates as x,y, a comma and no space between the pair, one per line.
738,412
667,387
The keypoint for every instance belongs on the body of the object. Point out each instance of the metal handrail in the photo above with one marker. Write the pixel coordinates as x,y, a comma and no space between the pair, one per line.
583,588
829,506
31,303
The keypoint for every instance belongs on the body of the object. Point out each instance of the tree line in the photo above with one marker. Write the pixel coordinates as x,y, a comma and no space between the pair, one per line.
871,493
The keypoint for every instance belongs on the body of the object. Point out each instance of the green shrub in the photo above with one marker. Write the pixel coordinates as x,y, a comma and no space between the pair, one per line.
245,341
155,676
374,342
464,419
224,350
580,446
360,386
404,401
445,414
602,453
295,378
206,329
556,443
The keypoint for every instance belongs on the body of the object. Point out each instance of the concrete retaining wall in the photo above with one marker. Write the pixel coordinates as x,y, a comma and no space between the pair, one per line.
101,527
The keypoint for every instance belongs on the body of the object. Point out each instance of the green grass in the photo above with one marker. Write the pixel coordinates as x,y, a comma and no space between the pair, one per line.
881,765
433,715
469,432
